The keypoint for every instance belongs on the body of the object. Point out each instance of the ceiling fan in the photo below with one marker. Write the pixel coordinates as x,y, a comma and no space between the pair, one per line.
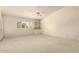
37,12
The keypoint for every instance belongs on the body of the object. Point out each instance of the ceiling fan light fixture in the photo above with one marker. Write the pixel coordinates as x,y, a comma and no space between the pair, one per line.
38,13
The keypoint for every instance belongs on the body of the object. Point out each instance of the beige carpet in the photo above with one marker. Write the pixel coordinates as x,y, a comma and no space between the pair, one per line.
38,43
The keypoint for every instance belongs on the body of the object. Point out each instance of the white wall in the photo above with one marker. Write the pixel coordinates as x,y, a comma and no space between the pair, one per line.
10,26
62,23
1,26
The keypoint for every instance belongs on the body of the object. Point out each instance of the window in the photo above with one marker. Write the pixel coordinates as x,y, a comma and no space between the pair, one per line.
19,25
34,24
27,24
23,25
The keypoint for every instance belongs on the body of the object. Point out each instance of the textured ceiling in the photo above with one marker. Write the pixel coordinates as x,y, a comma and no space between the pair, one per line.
30,11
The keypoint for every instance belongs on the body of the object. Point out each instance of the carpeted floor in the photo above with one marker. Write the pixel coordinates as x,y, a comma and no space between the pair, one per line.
38,43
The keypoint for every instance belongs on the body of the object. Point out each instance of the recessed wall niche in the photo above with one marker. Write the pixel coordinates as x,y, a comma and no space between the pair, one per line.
37,24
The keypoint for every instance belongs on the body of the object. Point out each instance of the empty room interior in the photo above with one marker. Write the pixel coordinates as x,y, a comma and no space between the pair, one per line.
39,29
